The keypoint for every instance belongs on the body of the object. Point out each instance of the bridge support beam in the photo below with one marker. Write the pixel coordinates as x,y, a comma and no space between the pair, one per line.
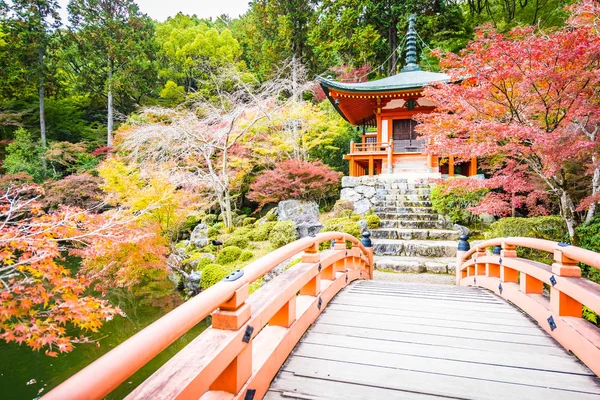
234,377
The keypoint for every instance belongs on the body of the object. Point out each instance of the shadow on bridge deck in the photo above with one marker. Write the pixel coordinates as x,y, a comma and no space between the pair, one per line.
382,340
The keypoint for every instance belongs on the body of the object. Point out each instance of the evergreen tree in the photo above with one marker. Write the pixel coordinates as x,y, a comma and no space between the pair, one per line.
113,51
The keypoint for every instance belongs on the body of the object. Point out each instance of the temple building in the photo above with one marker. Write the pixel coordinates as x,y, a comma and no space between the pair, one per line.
389,105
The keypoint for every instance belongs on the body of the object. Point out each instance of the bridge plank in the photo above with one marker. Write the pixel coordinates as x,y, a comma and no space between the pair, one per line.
401,341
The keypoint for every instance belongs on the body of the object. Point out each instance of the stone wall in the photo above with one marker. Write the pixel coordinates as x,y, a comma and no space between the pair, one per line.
366,191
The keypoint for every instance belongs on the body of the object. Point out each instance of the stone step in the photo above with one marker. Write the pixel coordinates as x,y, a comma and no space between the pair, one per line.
404,210
412,224
404,197
409,216
444,265
414,248
400,203
415,234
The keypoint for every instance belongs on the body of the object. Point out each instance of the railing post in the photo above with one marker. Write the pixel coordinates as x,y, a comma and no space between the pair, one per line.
493,270
311,255
564,266
463,247
368,244
232,315
508,274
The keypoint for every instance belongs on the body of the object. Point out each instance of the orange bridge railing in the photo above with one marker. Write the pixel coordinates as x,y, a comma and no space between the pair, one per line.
521,282
250,337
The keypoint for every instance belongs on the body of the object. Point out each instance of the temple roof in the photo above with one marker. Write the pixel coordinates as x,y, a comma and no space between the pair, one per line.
401,81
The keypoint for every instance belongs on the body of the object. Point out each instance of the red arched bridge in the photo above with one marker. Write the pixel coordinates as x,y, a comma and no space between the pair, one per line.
324,329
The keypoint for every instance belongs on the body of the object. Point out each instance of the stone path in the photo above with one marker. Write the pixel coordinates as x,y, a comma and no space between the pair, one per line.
429,279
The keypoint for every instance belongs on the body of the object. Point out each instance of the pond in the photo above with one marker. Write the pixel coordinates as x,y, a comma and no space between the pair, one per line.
27,374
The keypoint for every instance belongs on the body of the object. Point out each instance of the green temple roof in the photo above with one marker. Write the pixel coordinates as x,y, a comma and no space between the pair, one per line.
401,81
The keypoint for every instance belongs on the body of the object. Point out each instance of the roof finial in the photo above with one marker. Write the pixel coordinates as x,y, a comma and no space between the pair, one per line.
411,46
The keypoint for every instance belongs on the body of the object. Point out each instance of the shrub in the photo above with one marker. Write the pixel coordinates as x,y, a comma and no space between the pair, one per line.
213,273
283,232
24,155
248,221
373,221
229,254
246,211
190,223
294,179
81,190
246,255
209,219
345,225
236,241
212,232
548,227
453,201
262,231
589,238
342,207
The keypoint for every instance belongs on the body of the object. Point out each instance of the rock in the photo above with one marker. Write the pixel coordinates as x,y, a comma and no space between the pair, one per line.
192,281
175,277
175,259
362,206
199,236
380,194
304,215
487,218
198,257
366,191
364,226
350,195
349,181
463,230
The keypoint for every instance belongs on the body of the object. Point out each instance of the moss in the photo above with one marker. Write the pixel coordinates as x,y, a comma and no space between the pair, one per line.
262,231
212,233
248,221
246,255
238,220
343,208
213,273
229,255
209,219
345,225
236,241
271,216
243,231
373,221
283,232
295,261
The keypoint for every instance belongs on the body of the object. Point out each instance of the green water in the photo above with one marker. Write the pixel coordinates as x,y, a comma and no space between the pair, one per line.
20,365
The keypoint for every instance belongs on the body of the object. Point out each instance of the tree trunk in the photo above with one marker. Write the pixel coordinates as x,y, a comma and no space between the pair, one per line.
109,137
393,41
41,84
595,191
567,209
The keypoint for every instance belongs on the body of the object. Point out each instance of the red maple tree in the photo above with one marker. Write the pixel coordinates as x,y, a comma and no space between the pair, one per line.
527,103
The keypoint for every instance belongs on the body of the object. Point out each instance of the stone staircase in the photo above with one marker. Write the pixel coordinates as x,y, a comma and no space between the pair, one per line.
412,237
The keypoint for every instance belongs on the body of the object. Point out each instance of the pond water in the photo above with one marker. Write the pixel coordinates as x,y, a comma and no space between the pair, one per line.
20,365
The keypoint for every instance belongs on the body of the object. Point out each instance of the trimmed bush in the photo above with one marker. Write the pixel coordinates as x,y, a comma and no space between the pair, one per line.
209,219
283,232
212,233
453,203
236,241
248,221
246,255
213,273
345,225
373,221
550,228
228,255
238,220
262,231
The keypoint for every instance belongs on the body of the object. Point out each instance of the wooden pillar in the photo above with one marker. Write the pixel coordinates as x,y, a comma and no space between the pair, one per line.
352,167
390,158
371,166
451,166
473,169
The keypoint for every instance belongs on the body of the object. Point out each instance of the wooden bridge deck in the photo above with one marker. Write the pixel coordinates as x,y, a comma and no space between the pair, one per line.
380,340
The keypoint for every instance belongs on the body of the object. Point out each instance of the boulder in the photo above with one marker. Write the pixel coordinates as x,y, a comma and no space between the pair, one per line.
364,226
349,181
192,281
198,257
304,215
463,230
366,191
362,206
350,195
199,236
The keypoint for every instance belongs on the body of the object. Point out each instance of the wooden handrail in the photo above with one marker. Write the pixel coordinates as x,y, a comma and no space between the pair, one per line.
228,298
521,282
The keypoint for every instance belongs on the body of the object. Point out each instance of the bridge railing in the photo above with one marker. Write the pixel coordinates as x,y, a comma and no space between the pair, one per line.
522,281
250,337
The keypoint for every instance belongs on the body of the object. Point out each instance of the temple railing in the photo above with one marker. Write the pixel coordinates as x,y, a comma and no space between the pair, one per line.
250,337
374,147
522,282
409,146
